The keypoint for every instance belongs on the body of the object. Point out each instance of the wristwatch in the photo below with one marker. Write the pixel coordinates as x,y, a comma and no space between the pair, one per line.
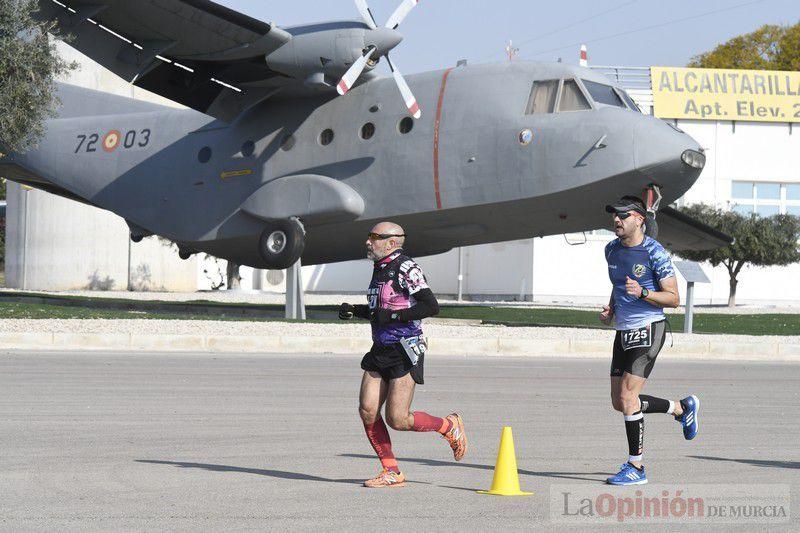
645,294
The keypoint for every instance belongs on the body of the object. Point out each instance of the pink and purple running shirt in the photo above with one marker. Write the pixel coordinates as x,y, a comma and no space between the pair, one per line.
395,280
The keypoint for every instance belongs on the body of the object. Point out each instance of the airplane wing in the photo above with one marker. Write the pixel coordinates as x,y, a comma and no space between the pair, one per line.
677,231
194,52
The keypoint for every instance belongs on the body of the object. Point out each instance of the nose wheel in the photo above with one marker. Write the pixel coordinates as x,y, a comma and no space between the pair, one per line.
652,201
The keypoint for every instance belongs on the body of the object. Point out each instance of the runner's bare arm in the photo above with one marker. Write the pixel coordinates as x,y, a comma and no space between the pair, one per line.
607,314
667,297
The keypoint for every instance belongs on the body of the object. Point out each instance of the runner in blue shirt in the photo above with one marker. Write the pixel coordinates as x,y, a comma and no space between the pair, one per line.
644,283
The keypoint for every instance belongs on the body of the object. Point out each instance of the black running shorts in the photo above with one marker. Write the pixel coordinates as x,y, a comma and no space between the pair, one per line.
391,362
638,360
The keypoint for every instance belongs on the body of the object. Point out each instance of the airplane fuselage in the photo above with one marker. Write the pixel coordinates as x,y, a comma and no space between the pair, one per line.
475,168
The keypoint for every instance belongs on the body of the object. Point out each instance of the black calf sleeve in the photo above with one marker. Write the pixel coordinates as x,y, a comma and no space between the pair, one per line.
651,404
634,428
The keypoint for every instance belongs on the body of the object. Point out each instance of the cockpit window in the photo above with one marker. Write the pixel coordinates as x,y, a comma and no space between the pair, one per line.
629,101
543,97
603,94
572,98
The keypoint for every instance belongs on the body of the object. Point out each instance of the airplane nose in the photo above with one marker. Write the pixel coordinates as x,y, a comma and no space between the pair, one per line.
667,154
384,39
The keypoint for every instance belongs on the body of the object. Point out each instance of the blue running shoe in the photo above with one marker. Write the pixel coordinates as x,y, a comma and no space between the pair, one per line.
628,475
691,408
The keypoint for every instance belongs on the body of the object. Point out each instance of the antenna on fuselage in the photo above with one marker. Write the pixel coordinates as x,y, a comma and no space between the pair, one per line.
511,52
584,61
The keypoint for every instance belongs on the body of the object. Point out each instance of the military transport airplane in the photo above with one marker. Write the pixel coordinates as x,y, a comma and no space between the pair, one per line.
292,146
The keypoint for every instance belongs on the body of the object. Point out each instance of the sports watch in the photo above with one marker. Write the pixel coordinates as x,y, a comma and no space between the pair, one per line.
645,294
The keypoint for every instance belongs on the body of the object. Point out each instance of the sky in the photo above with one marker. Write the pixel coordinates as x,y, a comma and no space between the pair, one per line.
617,32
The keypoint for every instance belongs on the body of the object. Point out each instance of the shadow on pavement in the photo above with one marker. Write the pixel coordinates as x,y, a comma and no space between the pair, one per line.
434,462
754,462
281,474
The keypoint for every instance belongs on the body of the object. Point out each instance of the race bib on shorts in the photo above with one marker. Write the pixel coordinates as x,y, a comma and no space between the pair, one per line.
414,348
637,338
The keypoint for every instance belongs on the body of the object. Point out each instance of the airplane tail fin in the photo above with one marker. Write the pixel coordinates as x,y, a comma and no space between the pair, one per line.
16,172
81,102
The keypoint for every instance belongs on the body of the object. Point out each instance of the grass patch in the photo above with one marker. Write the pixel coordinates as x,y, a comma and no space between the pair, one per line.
10,310
737,324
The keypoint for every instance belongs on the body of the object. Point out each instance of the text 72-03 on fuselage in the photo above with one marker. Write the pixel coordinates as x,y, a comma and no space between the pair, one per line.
271,164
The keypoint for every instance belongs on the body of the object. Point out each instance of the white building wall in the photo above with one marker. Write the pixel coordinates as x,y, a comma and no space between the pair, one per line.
58,244
750,152
571,273
490,271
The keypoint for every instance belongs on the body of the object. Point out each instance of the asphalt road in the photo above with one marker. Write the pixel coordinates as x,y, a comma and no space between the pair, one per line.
109,441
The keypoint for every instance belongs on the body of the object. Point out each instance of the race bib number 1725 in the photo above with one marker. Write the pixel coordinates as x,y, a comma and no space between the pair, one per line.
637,338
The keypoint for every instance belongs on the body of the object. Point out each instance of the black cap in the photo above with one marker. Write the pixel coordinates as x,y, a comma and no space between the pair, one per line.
624,205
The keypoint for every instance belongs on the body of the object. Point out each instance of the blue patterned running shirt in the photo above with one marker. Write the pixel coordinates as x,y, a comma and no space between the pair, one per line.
648,263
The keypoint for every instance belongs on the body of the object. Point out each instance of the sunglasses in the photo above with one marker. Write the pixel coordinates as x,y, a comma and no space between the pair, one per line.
383,236
622,216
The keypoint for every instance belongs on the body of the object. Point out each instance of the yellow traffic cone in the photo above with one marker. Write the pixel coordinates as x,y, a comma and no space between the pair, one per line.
506,478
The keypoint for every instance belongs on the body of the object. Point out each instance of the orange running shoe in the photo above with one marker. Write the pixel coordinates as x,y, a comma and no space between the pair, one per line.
457,437
385,479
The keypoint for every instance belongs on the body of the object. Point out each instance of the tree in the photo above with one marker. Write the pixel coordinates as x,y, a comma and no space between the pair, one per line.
29,64
770,47
759,241
2,225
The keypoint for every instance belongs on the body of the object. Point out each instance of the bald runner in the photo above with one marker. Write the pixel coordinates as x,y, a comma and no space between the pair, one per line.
398,299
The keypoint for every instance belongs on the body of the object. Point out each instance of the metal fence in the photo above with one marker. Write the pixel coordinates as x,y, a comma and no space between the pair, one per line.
635,80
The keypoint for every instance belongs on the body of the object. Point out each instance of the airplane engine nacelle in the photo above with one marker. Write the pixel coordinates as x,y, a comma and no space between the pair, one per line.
282,243
326,54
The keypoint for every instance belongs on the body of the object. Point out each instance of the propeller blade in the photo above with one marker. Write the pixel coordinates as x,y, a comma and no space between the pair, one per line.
366,14
354,72
400,13
408,96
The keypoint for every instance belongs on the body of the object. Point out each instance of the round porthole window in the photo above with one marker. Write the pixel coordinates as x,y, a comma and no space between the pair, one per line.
405,125
248,148
525,137
204,155
367,131
287,143
326,137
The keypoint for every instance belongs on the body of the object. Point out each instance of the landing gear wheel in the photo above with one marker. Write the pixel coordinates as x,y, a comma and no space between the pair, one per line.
282,243
652,201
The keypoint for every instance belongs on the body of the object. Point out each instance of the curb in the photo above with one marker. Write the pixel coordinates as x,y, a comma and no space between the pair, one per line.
703,349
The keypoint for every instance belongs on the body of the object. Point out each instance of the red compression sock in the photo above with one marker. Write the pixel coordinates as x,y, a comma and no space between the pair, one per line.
426,422
378,436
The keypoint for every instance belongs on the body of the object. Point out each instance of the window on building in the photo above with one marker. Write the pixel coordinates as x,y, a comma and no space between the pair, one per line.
743,209
603,94
543,97
765,198
572,98
742,189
